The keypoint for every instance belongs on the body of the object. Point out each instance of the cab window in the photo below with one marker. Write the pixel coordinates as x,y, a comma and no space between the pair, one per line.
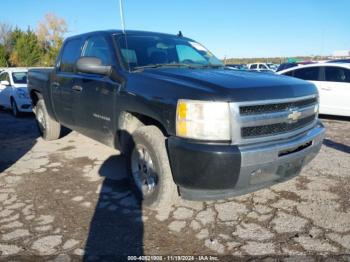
71,52
97,46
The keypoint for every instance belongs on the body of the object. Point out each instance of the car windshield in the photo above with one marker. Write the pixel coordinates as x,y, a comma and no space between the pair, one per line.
19,77
139,51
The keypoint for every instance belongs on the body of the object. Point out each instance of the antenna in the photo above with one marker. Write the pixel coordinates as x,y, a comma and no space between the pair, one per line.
121,9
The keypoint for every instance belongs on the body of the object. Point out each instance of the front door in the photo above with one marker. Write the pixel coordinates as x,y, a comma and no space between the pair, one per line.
94,110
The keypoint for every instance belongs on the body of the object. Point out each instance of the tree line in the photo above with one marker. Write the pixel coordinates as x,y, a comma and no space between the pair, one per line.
26,48
275,60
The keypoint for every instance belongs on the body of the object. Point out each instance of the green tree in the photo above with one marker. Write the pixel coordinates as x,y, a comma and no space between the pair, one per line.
26,50
3,56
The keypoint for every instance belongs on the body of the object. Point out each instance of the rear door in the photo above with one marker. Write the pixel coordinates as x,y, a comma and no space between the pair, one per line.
336,90
64,81
94,111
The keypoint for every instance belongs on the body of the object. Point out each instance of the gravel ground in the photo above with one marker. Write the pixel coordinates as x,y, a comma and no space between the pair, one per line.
69,200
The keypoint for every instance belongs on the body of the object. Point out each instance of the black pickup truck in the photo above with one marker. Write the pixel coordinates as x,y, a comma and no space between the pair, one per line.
189,126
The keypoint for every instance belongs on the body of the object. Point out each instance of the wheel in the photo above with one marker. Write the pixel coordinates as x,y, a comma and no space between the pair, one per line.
150,169
14,108
48,127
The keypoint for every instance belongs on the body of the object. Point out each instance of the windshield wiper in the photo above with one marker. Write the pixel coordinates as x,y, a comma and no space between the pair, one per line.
163,65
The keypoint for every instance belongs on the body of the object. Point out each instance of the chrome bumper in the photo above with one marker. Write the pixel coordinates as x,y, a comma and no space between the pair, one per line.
264,165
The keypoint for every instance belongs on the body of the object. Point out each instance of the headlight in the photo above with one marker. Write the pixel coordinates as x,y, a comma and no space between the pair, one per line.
203,120
21,94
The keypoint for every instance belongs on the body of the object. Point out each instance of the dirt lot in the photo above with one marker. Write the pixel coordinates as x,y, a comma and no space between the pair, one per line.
69,199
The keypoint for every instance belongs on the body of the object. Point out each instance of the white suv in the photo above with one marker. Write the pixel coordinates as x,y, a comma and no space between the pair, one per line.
13,90
263,67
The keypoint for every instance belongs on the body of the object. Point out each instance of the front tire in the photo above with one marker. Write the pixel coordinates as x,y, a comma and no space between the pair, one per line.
14,108
151,169
48,127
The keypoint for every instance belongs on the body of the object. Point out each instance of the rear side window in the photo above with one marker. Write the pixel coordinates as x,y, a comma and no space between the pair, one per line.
337,74
290,73
97,46
310,73
253,66
261,66
71,52
19,77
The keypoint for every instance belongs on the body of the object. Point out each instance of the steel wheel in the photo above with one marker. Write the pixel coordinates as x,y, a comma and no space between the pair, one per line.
143,171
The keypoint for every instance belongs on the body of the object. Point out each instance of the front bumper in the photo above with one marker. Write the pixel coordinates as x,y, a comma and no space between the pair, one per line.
24,105
211,171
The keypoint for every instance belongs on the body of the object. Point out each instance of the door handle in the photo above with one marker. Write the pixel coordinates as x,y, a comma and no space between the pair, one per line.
77,88
326,88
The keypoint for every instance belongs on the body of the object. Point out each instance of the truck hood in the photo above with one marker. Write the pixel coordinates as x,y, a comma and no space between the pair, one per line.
234,85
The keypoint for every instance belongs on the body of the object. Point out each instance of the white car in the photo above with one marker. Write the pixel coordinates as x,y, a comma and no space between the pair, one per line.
262,67
332,81
13,90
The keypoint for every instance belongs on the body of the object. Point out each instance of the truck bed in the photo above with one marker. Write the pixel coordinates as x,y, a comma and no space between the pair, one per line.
38,78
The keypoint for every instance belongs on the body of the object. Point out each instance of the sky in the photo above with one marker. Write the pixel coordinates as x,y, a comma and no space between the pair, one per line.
229,28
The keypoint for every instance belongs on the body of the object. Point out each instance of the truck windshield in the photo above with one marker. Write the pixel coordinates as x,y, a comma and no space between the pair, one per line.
19,77
139,51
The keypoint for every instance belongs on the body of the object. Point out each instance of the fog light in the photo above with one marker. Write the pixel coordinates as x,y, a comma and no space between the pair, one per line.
256,172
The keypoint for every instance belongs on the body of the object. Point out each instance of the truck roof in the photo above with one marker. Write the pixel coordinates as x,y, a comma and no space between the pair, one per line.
119,32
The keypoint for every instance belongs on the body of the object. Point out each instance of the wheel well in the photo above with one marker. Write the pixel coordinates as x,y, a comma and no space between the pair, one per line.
35,96
148,121
128,122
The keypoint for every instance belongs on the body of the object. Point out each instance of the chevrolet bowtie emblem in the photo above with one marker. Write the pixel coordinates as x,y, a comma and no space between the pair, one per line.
294,115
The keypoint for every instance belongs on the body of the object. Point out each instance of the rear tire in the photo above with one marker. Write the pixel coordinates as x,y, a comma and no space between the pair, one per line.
48,127
14,108
150,168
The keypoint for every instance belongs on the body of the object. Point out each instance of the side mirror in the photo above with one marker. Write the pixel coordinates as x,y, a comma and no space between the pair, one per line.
5,83
92,65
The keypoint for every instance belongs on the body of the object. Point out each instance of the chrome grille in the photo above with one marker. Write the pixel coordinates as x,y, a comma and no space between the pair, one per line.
269,108
256,131
262,121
